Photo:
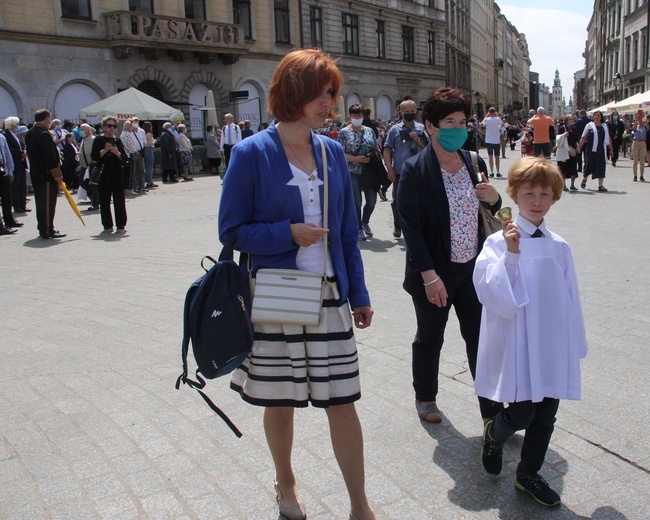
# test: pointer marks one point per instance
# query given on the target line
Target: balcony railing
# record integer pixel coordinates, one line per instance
(126, 28)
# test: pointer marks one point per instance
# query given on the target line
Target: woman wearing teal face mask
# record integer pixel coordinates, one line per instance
(438, 199)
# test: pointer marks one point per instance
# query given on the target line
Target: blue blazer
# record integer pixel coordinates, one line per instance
(258, 206)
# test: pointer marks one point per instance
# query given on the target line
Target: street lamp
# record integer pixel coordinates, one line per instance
(477, 96)
(617, 83)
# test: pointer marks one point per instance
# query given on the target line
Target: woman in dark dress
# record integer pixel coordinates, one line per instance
(110, 155)
(568, 165)
(596, 136)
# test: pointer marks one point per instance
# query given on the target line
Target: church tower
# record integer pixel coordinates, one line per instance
(556, 111)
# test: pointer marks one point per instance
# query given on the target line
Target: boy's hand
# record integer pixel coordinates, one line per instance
(512, 235)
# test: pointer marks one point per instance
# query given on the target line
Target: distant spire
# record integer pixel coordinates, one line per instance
(557, 81)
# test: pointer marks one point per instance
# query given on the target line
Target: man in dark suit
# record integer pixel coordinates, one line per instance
(19, 186)
(580, 124)
(45, 171)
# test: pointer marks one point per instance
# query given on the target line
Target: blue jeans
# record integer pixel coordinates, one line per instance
(370, 196)
(148, 164)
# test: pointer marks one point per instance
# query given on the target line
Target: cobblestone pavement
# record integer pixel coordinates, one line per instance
(92, 427)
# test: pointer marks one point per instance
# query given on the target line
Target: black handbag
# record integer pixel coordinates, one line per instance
(96, 175)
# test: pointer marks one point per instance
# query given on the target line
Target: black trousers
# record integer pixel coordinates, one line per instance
(432, 320)
(112, 184)
(538, 420)
(226, 154)
(396, 222)
(19, 189)
(7, 205)
(616, 146)
(45, 194)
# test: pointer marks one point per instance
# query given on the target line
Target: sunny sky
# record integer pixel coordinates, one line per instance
(556, 31)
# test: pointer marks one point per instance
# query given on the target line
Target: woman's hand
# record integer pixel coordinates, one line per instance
(437, 293)
(363, 159)
(362, 317)
(306, 235)
(512, 235)
(485, 192)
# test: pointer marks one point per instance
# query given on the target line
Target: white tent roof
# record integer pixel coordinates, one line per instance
(634, 103)
(605, 109)
(131, 103)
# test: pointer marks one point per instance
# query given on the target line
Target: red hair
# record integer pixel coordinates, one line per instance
(299, 79)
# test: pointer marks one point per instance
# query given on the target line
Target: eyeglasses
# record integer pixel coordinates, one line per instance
(110, 126)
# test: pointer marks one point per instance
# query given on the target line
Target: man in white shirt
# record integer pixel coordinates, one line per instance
(230, 136)
(140, 141)
(492, 125)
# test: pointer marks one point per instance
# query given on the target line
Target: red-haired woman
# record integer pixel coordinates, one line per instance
(272, 203)
(438, 199)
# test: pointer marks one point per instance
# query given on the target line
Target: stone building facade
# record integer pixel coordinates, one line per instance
(67, 54)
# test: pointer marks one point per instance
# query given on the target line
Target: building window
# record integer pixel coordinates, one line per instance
(282, 33)
(241, 15)
(636, 54)
(316, 25)
(408, 42)
(351, 34)
(381, 39)
(76, 9)
(195, 9)
(432, 48)
(141, 6)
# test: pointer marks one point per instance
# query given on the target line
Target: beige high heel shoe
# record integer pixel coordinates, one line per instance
(294, 512)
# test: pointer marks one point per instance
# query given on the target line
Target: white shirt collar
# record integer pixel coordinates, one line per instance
(528, 229)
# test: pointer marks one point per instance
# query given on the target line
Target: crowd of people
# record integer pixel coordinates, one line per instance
(69, 153)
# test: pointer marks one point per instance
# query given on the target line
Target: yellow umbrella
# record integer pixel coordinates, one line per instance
(73, 204)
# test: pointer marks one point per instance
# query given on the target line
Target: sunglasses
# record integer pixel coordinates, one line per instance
(110, 126)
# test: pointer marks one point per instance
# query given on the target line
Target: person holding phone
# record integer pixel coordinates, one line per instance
(110, 155)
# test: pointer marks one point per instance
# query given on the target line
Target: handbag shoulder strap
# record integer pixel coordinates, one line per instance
(325, 202)
(475, 178)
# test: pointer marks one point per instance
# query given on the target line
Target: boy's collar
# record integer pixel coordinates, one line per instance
(528, 227)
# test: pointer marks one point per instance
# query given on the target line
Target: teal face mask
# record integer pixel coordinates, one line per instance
(451, 139)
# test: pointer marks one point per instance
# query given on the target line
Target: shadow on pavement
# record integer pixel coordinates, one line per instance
(378, 246)
(39, 243)
(474, 490)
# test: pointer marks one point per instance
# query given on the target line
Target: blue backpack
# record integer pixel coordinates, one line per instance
(217, 322)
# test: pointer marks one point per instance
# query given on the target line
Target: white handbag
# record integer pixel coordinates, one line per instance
(291, 296)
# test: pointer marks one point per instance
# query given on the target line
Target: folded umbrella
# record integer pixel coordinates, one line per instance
(73, 204)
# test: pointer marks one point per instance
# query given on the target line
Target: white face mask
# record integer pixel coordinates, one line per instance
(356, 121)
(136, 124)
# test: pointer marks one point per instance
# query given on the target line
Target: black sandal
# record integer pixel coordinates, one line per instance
(583, 184)
(602, 188)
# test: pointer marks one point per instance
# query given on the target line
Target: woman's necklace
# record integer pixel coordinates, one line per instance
(296, 156)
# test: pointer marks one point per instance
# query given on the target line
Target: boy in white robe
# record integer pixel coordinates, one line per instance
(532, 331)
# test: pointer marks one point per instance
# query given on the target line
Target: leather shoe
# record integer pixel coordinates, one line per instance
(92, 208)
(57, 234)
(14, 224)
(5, 231)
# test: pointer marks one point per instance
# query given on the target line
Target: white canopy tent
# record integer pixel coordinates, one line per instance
(636, 102)
(605, 109)
(132, 103)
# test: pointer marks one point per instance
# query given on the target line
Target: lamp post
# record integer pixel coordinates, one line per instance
(477, 96)
(617, 83)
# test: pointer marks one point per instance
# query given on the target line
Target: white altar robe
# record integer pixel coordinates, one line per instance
(532, 331)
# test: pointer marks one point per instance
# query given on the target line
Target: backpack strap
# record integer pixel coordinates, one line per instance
(199, 384)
